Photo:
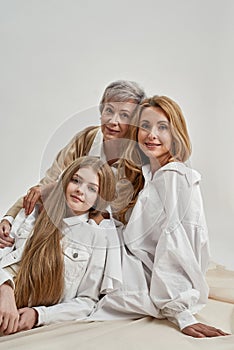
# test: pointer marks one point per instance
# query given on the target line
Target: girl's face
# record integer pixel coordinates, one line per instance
(115, 119)
(82, 191)
(154, 134)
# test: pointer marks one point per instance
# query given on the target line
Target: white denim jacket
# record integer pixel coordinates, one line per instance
(92, 265)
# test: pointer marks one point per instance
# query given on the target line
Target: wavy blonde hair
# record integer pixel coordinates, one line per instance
(40, 279)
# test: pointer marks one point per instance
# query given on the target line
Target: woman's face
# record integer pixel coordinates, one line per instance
(115, 119)
(154, 134)
(82, 191)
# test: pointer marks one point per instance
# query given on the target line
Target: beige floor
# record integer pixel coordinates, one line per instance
(145, 333)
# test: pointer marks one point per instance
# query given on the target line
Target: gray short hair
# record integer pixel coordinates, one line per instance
(121, 91)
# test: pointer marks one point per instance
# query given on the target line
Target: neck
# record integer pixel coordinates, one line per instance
(157, 163)
(154, 165)
(112, 150)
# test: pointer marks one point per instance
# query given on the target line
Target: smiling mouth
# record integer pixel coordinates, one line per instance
(111, 130)
(77, 199)
(152, 145)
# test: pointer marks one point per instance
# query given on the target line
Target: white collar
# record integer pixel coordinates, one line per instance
(146, 171)
(96, 149)
(73, 220)
(192, 176)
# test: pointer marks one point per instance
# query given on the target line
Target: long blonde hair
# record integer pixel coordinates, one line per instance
(40, 280)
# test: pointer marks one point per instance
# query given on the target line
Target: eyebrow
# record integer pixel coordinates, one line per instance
(90, 183)
(164, 121)
(122, 110)
(159, 122)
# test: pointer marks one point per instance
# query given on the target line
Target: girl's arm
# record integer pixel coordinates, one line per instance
(86, 297)
(102, 275)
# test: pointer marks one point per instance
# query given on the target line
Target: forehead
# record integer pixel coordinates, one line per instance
(88, 174)
(127, 105)
(153, 114)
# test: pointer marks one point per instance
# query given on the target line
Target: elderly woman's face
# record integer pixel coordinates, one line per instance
(115, 119)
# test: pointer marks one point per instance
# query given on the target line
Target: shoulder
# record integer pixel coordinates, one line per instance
(179, 173)
(89, 131)
(82, 141)
(87, 234)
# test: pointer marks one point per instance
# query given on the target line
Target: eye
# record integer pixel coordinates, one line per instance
(76, 180)
(92, 189)
(163, 127)
(125, 115)
(145, 126)
(108, 110)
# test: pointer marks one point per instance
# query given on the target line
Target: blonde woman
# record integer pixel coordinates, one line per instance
(65, 263)
(167, 230)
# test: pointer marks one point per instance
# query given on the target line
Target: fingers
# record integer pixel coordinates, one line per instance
(21, 325)
(6, 242)
(5, 228)
(210, 331)
(5, 239)
(9, 323)
(30, 200)
(28, 318)
(200, 330)
(193, 332)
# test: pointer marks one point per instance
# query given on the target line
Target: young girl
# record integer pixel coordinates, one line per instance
(67, 261)
(167, 230)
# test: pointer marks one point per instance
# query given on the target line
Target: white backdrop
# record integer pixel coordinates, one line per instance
(57, 56)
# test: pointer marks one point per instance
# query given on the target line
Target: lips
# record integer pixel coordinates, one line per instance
(110, 130)
(76, 198)
(152, 145)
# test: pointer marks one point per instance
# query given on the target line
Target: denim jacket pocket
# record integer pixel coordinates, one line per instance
(75, 263)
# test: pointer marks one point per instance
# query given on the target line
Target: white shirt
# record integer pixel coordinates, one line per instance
(167, 232)
(92, 267)
(97, 150)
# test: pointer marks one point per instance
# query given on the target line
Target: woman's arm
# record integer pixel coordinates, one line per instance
(178, 285)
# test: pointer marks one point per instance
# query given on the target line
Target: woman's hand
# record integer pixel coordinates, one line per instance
(28, 318)
(32, 197)
(9, 316)
(5, 239)
(36, 194)
(200, 330)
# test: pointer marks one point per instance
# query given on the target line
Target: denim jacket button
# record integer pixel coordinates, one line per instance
(75, 255)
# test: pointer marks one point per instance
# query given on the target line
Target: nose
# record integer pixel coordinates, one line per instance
(153, 134)
(114, 119)
(81, 188)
